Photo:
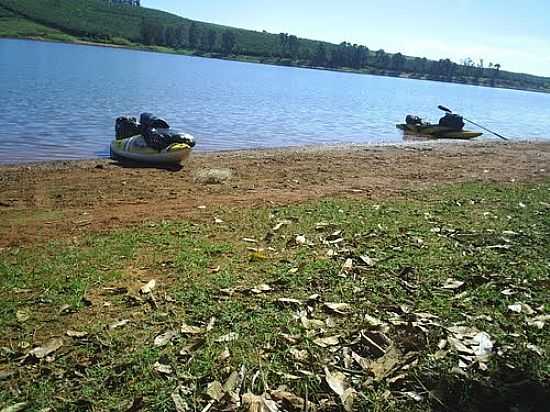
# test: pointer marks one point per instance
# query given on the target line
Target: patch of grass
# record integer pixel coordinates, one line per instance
(14, 26)
(494, 238)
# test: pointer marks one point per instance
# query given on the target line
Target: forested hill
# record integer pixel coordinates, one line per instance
(101, 22)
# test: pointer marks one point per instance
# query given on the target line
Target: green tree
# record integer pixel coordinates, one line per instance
(320, 56)
(212, 38)
(398, 62)
(194, 35)
(181, 36)
(382, 59)
(360, 57)
(496, 72)
(170, 36)
(152, 33)
(283, 44)
(293, 45)
(228, 42)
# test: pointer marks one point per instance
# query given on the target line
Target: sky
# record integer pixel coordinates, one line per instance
(514, 33)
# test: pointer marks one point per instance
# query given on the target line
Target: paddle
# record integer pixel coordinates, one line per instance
(447, 110)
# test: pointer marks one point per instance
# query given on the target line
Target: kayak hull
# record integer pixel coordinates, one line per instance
(438, 132)
(136, 150)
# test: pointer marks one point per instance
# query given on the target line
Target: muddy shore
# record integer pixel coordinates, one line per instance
(44, 201)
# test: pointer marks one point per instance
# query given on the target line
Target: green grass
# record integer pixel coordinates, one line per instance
(12, 26)
(418, 244)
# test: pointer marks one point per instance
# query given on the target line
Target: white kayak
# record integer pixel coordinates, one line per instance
(135, 149)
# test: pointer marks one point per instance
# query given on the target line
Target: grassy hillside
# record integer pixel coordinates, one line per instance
(12, 25)
(97, 21)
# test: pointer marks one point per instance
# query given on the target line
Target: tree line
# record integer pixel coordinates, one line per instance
(290, 47)
(190, 36)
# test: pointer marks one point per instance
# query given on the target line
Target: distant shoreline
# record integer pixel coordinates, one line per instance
(264, 61)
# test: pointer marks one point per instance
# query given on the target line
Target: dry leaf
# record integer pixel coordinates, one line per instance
(230, 337)
(459, 346)
(328, 341)
(347, 398)
(163, 369)
(372, 321)
(538, 321)
(299, 355)
(211, 324)
(64, 308)
(261, 289)
(149, 287)
(256, 403)
(330, 323)
(119, 324)
(75, 334)
(21, 406)
(384, 365)
(535, 349)
(51, 346)
(414, 396)
(348, 265)
(165, 338)
(364, 363)
(312, 323)
(215, 391)
(482, 346)
(368, 260)
(22, 315)
(280, 225)
(521, 308)
(286, 301)
(224, 355)
(190, 330)
(232, 384)
(337, 382)
(179, 403)
(452, 284)
(291, 401)
(341, 308)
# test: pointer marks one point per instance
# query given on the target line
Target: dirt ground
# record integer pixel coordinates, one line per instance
(43, 201)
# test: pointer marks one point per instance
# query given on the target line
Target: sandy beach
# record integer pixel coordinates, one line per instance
(42, 201)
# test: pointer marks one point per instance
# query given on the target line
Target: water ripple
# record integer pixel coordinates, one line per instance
(59, 101)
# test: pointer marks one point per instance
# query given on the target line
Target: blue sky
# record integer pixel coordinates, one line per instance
(514, 33)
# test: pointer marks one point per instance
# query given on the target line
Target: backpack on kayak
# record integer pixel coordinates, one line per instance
(413, 120)
(155, 131)
(452, 121)
(126, 127)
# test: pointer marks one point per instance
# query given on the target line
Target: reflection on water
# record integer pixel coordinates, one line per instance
(59, 101)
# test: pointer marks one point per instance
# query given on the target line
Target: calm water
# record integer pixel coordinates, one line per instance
(59, 101)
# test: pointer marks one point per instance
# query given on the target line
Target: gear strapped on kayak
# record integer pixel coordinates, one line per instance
(155, 131)
(450, 126)
(151, 140)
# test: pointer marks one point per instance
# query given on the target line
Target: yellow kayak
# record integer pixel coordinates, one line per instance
(135, 149)
(437, 132)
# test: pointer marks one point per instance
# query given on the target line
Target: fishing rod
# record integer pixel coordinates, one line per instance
(447, 110)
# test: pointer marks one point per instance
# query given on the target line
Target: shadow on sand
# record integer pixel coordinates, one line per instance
(129, 164)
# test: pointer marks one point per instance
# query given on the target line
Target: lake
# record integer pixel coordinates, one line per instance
(60, 101)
